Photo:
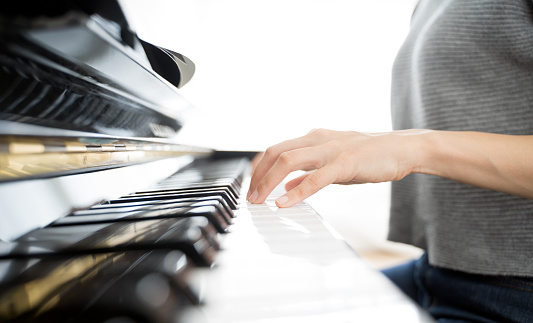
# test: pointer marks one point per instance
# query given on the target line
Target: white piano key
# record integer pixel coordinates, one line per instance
(288, 265)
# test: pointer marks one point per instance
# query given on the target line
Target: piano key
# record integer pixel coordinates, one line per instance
(289, 265)
(263, 274)
(97, 287)
(275, 263)
(201, 180)
(183, 178)
(173, 264)
(122, 203)
(230, 184)
(209, 210)
(133, 198)
(230, 195)
(195, 236)
(233, 181)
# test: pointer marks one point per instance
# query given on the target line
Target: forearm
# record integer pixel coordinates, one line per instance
(497, 162)
(493, 161)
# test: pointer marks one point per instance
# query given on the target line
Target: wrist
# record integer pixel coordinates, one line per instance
(418, 149)
(434, 153)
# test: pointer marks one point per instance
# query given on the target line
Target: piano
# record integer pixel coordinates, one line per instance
(104, 217)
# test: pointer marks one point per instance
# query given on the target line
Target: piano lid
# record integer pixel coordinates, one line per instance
(77, 65)
(87, 110)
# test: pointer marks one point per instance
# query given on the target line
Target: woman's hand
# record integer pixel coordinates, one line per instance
(494, 161)
(341, 157)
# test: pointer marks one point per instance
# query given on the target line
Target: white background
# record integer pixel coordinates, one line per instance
(269, 70)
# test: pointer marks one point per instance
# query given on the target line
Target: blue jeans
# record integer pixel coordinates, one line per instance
(453, 296)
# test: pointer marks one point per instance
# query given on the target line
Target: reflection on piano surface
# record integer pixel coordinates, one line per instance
(104, 218)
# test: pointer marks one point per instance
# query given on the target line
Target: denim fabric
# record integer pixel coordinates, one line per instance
(456, 297)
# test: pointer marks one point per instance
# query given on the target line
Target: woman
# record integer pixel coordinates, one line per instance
(460, 158)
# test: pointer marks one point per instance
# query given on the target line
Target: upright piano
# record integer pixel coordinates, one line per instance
(104, 217)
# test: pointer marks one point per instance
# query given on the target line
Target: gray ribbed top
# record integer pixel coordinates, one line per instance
(466, 65)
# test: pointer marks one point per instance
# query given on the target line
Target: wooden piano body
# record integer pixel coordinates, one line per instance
(104, 218)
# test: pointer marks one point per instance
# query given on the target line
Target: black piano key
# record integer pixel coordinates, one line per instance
(186, 181)
(133, 198)
(209, 210)
(195, 236)
(185, 205)
(94, 288)
(112, 204)
(233, 188)
(173, 264)
(228, 194)
(213, 185)
(162, 187)
(177, 180)
(202, 176)
(136, 297)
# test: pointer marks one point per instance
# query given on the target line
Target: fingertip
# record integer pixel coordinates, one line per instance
(253, 197)
(283, 201)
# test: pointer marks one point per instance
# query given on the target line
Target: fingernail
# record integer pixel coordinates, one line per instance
(253, 196)
(282, 200)
(248, 195)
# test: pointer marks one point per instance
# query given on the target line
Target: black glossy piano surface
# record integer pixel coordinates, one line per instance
(121, 258)
(105, 218)
(192, 259)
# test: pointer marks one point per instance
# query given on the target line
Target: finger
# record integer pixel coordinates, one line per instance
(311, 184)
(295, 182)
(253, 165)
(255, 161)
(268, 159)
(303, 158)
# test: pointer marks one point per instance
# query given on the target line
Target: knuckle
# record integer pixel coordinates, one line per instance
(270, 151)
(263, 189)
(315, 180)
(286, 158)
(317, 164)
(324, 132)
(261, 186)
(267, 183)
(317, 132)
(298, 192)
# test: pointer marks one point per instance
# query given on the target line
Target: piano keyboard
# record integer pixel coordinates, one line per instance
(190, 249)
